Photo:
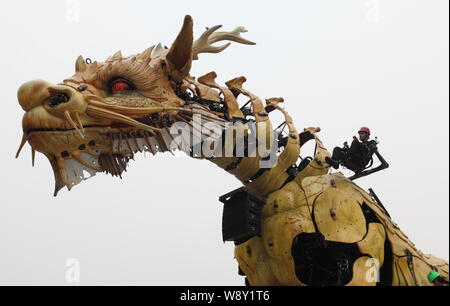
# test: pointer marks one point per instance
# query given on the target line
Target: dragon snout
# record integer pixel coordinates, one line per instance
(57, 99)
(51, 106)
(33, 93)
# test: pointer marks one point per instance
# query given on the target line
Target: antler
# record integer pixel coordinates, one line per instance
(210, 36)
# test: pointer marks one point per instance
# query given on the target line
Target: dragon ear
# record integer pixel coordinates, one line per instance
(179, 57)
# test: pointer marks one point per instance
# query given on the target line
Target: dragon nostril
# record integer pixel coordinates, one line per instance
(58, 98)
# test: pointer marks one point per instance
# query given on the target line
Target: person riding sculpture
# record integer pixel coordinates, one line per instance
(356, 156)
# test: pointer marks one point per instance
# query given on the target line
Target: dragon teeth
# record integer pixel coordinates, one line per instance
(78, 172)
(165, 141)
(168, 139)
(141, 144)
(93, 160)
(153, 144)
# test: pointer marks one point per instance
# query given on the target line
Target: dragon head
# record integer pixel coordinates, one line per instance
(96, 119)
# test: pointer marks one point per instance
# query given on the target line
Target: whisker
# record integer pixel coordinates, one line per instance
(77, 118)
(33, 155)
(72, 123)
(22, 143)
(99, 112)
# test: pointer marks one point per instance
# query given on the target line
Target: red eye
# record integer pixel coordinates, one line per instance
(119, 86)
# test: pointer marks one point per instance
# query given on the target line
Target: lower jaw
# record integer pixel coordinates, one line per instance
(56, 142)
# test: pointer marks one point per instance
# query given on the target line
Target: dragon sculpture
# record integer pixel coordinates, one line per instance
(302, 225)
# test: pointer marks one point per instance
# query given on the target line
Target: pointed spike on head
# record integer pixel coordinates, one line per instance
(158, 51)
(117, 56)
(80, 64)
(179, 56)
(147, 54)
(92, 68)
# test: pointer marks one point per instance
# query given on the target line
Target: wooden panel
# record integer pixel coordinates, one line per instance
(339, 217)
(364, 273)
(373, 243)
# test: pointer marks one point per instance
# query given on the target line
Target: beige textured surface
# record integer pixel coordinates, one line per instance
(373, 243)
(362, 276)
(287, 214)
(339, 217)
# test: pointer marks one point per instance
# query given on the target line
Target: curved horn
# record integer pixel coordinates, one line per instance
(179, 57)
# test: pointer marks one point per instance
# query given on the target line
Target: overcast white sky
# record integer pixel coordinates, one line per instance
(338, 64)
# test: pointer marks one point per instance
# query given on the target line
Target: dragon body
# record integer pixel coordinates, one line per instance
(316, 228)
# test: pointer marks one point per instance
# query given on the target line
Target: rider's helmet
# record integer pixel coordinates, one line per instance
(364, 129)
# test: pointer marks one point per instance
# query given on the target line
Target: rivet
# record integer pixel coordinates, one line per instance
(82, 87)
(248, 251)
(332, 213)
